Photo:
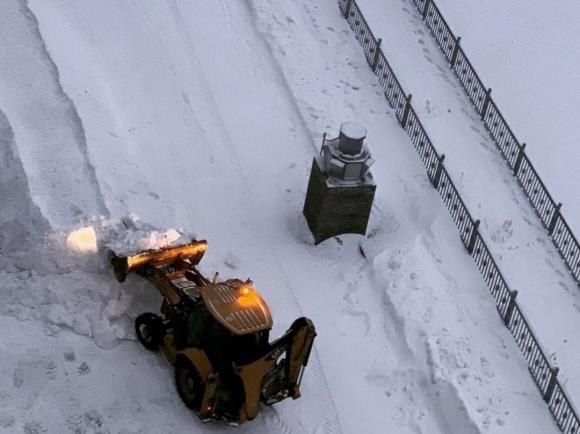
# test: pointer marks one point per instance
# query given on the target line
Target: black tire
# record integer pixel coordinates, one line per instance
(149, 330)
(188, 383)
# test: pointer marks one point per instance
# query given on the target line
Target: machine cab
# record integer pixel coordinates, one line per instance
(231, 324)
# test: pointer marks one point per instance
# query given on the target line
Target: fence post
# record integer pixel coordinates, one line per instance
(377, 52)
(510, 309)
(406, 110)
(437, 177)
(347, 9)
(519, 159)
(455, 52)
(551, 385)
(424, 12)
(485, 104)
(473, 237)
(323, 142)
(554, 219)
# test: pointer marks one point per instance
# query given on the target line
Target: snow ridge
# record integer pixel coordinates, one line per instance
(77, 123)
(47, 128)
(20, 218)
(423, 370)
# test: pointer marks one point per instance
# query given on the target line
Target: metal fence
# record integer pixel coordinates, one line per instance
(544, 375)
(512, 150)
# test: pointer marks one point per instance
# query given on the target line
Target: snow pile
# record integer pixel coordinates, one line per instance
(71, 284)
(90, 244)
(131, 235)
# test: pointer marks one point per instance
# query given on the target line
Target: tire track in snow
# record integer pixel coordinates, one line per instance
(237, 166)
(48, 129)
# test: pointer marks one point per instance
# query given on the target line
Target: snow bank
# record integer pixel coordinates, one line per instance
(72, 286)
(20, 219)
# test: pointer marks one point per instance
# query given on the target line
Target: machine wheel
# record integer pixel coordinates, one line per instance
(189, 384)
(149, 330)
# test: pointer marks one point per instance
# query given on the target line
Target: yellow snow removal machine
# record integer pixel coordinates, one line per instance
(216, 335)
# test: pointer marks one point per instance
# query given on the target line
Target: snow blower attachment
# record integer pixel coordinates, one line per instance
(216, 335)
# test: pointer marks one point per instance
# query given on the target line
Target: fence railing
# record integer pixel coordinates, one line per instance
(544, 375)
(513, 151)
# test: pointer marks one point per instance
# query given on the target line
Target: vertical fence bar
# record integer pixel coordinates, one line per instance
(552, 384)
(473, 237)
(347, 9)
(511, 306)
(437, 176)
(455, 52)
(554, 219)
(519, 159)
(405, 114)
(485, 103)
(424, 11)
(377, 55)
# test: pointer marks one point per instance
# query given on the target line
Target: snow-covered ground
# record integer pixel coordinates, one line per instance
(519, 243)
(528, 54)
(206, 117)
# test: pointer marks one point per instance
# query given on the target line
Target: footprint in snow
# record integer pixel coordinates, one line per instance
(51, 369)
(6, 420)
(75, 423)
(93, 419)
(34, 427)
(84, 368)
(232, 261)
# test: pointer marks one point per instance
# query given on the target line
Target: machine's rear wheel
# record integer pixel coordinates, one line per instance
(149, 330)
(189, 384)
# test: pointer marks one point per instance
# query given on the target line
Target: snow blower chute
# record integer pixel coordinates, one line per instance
(216, 335)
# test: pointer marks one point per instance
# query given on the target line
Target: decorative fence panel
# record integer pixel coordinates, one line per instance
(564, 239)
(563, 411)
(456, 207)
(536, 192)
(363, 33)
(470, 81)
(422, 142)
(393, 90)
(442, 32)
(544, 375)
(496, 283)
(538, 364)
(501, 133)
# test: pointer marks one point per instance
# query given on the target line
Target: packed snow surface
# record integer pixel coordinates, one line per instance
(205, 117)
(528, 54)
(519, 243)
